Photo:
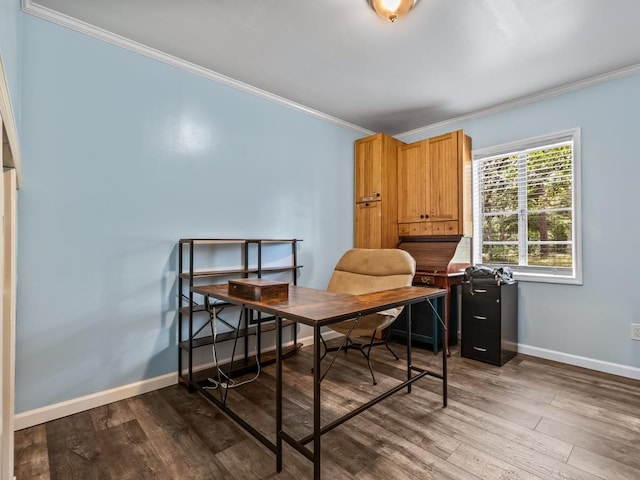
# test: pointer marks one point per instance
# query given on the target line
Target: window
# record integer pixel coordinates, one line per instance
(526, 207)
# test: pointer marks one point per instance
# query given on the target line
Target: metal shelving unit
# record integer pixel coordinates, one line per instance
(249, 258)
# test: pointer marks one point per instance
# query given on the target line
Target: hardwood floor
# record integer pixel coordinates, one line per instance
(530, 419)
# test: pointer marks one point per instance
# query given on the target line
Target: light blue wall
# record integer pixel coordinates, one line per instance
(123, 156)
(591, 320)
(10, 16)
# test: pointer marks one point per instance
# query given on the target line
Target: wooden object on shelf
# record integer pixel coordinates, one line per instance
(259, 289)
(434, 186)
(376, 197)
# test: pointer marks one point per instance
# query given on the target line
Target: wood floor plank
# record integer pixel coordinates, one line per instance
(487, 467)
(581, 381)
(498, 405)
(408, 457)
(397, 419)
(31, 455)
(181, 449)
(111, 415)
(515, 454)
(508, 379)
(623, 452)
(605, 412)
(74, 449)
(530, 419)
(597, 425)
(531, 439)
(217, 431)
(603, 467)
(245, 461)
(136, 459)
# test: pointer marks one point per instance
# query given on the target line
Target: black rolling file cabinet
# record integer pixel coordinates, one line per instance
(490, 322)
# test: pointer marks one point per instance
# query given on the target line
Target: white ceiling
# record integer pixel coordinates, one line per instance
(446, 59)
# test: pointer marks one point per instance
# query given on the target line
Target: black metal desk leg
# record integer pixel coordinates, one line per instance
(408, 310)
(445, 354)
(316, 402)
(278, 393)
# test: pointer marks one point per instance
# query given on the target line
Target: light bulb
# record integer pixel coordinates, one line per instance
(392, 10)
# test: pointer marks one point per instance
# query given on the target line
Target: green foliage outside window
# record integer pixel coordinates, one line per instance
(529, 193)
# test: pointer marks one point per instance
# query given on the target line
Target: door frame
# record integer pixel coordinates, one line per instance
(10, 159)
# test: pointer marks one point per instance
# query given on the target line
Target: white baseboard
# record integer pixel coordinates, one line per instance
(98, 399)
(591, 363)
(76, 405)
(69, 407)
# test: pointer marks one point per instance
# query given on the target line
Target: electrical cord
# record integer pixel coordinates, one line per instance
(229, 382)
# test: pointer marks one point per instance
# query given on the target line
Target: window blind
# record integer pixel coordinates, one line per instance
(524, 206)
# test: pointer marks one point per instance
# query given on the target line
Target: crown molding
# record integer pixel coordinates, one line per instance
(554, 92)
(64, 20)
(82, 27)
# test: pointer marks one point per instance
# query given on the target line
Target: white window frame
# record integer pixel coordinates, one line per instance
(521, 272)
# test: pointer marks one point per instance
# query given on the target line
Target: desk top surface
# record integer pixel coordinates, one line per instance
(319, 307)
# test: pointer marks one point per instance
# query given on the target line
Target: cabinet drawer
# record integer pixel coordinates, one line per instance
(481, 309)
(481, 290)
(422, 228)
(417, 228)
(431, 280)
(445, 228)
(481, 344)
(480, 320)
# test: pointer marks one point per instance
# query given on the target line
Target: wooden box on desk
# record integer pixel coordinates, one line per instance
(259, 289)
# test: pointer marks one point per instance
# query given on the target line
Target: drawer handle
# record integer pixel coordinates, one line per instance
(479, 290)
(480, 349)
(479, 317)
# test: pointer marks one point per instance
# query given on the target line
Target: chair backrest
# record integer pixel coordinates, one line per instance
(364, 270)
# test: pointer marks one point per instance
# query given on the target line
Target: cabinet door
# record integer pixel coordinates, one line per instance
(368, 169)
(413, 175)
(444, 194)
(368, 231)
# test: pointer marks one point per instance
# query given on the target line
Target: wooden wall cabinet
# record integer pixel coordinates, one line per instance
(434, 186)
(376, 180)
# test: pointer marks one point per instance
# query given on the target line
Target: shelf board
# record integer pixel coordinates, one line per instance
(280, 269)
(238, 271)
(201, 308)
(219, 273)
(270, 357)
(196, 308)
(241, 367)
(226, 336)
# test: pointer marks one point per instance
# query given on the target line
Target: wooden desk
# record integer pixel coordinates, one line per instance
(318, 308)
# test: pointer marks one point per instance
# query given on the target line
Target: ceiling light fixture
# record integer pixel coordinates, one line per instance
(392, 10)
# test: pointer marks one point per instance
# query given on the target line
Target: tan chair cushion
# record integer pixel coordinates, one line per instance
(362, 270)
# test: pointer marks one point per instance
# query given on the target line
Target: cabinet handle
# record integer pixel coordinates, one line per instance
(421, 216)
(479, 317)
(480, 349)
(479, 290)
